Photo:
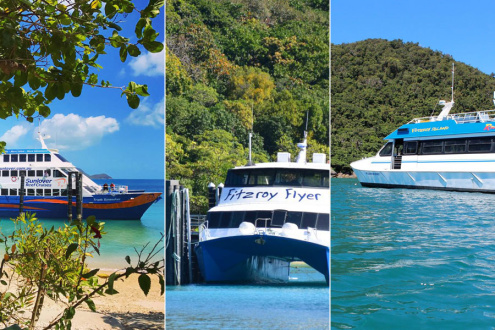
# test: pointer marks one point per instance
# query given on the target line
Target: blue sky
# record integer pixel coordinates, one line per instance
(463, 29)
(98, 131)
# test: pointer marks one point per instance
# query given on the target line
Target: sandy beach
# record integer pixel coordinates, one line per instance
(129, 309)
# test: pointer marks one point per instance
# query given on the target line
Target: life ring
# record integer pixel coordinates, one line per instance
(14, 179)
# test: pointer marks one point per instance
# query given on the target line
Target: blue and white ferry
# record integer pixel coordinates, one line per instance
(446, 152)
(46, 172)
(267, 216)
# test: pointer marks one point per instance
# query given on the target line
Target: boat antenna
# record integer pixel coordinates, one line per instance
(250, 161)
(452, 99)
(301, 157)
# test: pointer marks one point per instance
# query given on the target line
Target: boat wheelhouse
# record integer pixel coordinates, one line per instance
(45, 173)
(448, 152)
(267, 216)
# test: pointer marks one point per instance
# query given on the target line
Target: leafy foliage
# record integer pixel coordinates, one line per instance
(50, 48)
(378, 85)
(237, 66)
(40, 263)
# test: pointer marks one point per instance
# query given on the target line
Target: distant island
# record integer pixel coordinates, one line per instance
(102, 176)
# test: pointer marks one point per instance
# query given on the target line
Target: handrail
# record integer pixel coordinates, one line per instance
(460, 118)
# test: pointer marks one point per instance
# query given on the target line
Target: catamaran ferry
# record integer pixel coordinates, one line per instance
(267, 216)
(447, 152)
(46, 173)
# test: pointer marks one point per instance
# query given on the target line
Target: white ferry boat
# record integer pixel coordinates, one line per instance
(46, 173)
(267, 216)
(447, 152)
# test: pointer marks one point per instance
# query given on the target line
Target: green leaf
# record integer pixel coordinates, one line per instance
(91, 305)
(76, 89)
(72, 247)
(162, 284)
(90, 273)
(123, 53)
(133, 101)
(128, 259)
(153, 46)
(133, 50)
(144, 283)
(91, 220)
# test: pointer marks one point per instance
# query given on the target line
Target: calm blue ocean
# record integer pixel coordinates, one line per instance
(122, 236)
(411, 259)
(303, 303)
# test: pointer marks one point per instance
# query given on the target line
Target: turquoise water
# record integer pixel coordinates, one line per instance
(122, 236)
(303, 303)
(411, 259)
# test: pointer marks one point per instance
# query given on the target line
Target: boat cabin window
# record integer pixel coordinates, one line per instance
(4, 192)
(22, 158)
(22, 173)
(14, 158)
(275, 219)
(5, 173)
(6, 158)
(39, 172)
(480, 145)
(31, 158)
(13, 173)
(455, 146)
(13, 192)
(386, 150)
(39, 157)
(30, 192)
(277, 177)
(58, 174)
(31, 173)
(431, 147)
(410, 147)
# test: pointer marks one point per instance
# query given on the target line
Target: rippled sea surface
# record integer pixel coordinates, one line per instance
(411, 259)
(303, 303)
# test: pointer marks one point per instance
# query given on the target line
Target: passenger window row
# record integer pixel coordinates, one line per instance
(22, 158)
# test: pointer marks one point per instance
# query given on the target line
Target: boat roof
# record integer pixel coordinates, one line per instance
(480, 123)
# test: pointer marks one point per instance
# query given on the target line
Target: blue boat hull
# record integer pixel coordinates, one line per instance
(103, 207)
(255, 258)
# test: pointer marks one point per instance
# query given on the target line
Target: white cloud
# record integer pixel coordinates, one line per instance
(150, 64)
(148, 115)
(14, 134)
(75, 132)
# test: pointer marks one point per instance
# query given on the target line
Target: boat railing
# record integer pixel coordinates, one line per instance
(114, 189)
(204, 232)
(460, 118)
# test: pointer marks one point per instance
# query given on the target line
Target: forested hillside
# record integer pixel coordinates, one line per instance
(378, 85)
(241, 65)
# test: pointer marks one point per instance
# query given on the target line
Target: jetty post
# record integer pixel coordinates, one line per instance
(69, 197)
(79, 196)
(21, 194)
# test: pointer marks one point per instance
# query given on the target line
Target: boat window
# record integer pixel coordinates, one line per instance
(30, 192)
(14, 158)
(4, 192)
(63, 192)
(5, 173)
(39, 157)
(58, 174)
(213, 219)
(31, 173)
(48, 158)
(39, 172)
(6, 158)
(22, 173)
(12, 192)
(22, 158)
(56, 192)
(308, 220)
(431, 147)
(278, 218)
(31, 158)
(39, 192)
(410, 147)
(277, 177)
(386, 150)
(455, 146)
(47, 173)
(480, 145)
(288, 178)
(250, 217)
(13, 173)
(294, 217)
(263, 219)
(225, 219)
(323, 222)
(48, 192)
